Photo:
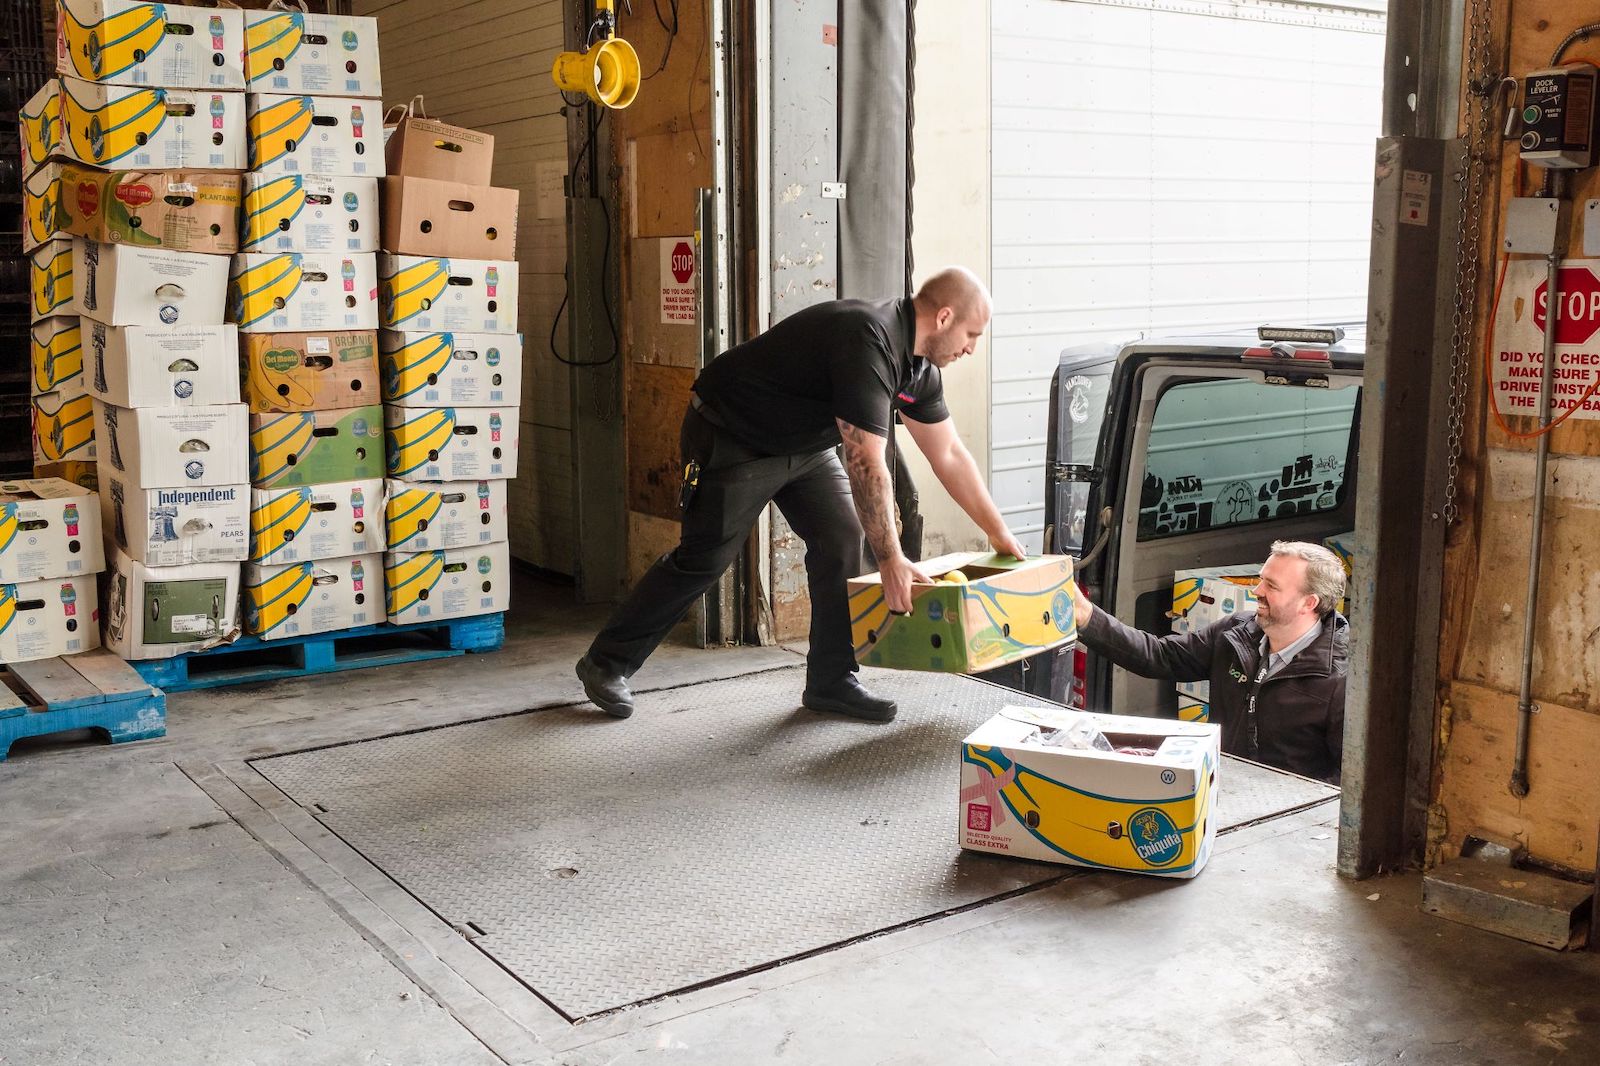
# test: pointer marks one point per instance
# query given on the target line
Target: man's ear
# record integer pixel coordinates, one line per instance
(943, 317)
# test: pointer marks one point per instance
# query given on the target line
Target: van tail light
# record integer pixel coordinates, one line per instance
(1078, 690)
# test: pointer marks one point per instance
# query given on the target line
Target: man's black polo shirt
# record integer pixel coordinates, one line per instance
(847, 359)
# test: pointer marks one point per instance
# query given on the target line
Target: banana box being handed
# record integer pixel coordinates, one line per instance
(451, 369)
(423, 516)
(134, 42)
(431, 586)
(43, 619)
(1199, 598)
(55, 351)
(40, 120)
(298, 599)
(987, 610)
(161, 613)
(310, 371)
(124, 127)
(302, 292)
(306, 522)
(309, 213)
(50, 281)
(419, 294)
(296, 52)
(1107, 791)
(451, 443)
(331, 135)
(316, 447)
(48, 528)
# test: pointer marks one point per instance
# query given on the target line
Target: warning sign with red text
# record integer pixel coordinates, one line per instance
(1518, 351)
(677, 280)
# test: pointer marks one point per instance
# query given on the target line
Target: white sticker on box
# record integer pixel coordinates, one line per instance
(317, 346)
(191, 623)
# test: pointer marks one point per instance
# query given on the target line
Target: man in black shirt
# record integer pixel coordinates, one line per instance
(763, 427)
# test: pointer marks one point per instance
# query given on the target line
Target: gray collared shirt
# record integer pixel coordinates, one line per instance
(1279, 659)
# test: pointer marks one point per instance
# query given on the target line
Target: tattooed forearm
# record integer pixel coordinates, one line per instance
(866, 462)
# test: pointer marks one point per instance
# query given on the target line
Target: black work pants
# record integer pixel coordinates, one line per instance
(736, 483)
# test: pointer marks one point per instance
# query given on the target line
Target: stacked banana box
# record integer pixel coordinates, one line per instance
(50, 552)
(304, 295)
(451, 372)
(135, 154)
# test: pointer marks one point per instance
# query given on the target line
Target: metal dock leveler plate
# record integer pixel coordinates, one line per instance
(720, 830)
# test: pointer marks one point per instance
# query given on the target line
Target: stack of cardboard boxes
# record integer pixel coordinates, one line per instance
(451, 370)
(50, 553)
(304, 295)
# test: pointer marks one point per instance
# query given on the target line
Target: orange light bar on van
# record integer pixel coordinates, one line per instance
(1280, 351)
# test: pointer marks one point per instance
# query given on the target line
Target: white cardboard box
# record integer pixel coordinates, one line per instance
(159, 613)
(1152, 813)
(165, 447)
(306, 522)
(134, 42)
(323, 596)
(124, 285)
(1199, 598)
(301, 292)
(451, 369)
(48, 528)
(309, 213)
(176, 526)
(451, 443)
(329, 135)
(55, 351)
(43, 619)
(177, 366)
(64, 425)
(435, 585)
(126, 127)
(293, 52)
(418, 294)
(432, 516)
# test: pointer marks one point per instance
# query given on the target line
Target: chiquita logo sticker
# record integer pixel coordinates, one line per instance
(1155, 839)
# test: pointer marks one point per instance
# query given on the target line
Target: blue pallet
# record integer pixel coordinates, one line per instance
(94, 690)
(251, 659)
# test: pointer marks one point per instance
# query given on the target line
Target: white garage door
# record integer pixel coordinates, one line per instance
(1162, 166)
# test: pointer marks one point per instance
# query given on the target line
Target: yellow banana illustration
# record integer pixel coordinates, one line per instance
(277, 445)
(57, 359)
(265, 285)
(275, 131)
(105, 134)
(410, 511)
(278, 521)
(50, 268)
(117, 43)
(66, 430)
(266, 205)
(8, 606)
(270, 42)
(1186, 593)
(420, 441)
(8, 525)
(42, 204)
(409, 578)
(41, 131)
(277, 598)
(414, 366)
(412, 290)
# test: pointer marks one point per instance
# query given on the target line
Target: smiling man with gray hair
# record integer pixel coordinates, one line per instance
(1277, 676)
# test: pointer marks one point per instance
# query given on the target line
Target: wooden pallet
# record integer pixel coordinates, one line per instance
(251, 659)
(93, 690)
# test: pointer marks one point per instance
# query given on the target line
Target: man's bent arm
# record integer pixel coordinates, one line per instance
(865, 460)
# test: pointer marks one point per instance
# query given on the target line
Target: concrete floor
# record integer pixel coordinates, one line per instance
(140, 923)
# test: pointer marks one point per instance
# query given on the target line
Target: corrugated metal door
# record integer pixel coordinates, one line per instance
(1162, 166)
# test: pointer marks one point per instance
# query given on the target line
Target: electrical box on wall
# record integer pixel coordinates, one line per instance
(1558, 117)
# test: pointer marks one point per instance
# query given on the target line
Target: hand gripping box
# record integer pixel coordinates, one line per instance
(181, 210)
(48, 528)
(310, 213)
(420, 147)
(451, 369)
(163, 447)
(1146, 806)
(161, 613)
(329, 135)
(310, 371)
(40, 119)
(176, 525)
(43, 216)
(296, 52)
(50, 279)
(165, 366)
(1000, 610)
(432, 586)
(1199, 598)
(422, 216)
(307, 522)
(471, 295)
(46, 618)
(55, 353)
(123, 285)
(430, 516)
(121, 127)
(324, 596)
(302, 291)
(134, 42)
(451, 443)
(316, 447)
(64, 426)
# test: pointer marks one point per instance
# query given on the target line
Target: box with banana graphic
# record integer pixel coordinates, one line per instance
(316, 371)
(176, 525)
(306, 522)
(1199, 598)
(451, 443)
(302, 291)
(419, 294)
(43, 619)
(429, 516)
(48, 528)
(63, 424)
(182, 210)
(451, 369)
(1111, 792)
(40, 120)
(985, 611)
(44, 217)
(316, 447)
(329, 135)
(295, 52)
(134, 42)
(126, 127)
(298, 599)
(309, 213)
(165, 366)
(50, 280)
(55, 354)
(160, 613)
(435, 585)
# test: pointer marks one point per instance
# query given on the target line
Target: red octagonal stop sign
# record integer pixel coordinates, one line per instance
(682, 262)
(1577, 305)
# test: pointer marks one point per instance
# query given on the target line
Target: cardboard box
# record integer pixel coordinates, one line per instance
(451, 443)
(434, 516)
(310, 213)
(1005, 611)
(121, 127)
(43, 619)
(1344, 546)
(310, 371)
(431, 586)
(302, 291)
(40, 120)
(451, 369)
(48, 528)
(328, 135)
(55, 350)
(1200, 598)
(423, 148)
(159, 613)
(176, 526)
(471, 295)
(316, 447)
(182, 210)
(84, 474)
(166, 447)
(63, 426)
(124, 285)
(43, 218)
(324, 596)
(422, 216)
(50, 279)
(134, 42)
(1024, 796)
(293, 52)
(176, 366)
(308, 522)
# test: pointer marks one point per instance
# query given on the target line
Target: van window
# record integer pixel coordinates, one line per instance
(1234, 451)
(1082, 409)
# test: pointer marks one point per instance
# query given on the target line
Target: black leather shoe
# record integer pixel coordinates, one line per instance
(847, 696)
(607, 691)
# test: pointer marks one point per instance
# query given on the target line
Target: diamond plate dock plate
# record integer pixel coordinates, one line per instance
(717, 831)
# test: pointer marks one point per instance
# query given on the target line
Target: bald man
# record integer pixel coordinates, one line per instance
(764, 426)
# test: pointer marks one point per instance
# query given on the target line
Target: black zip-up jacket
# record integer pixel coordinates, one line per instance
(1299, 710)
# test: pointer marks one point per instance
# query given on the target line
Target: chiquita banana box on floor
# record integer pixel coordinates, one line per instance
(305, 522)
(125, 127)
(1138, 795)
(55, 350)
(50, 279)
(298, 599)
(418, 294)
(295, 52)
(424, 516)
(309, 213)
(43, 619)
(40, 120)
(986, 611)
(316, 135)
(451, 443)
(1199, 598)
(432, 586)
(298, 291)
(316, 447)
(48, 528)
(451, 369)
(134, 42)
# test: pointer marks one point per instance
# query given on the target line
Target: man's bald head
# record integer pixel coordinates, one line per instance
(959, 289)
(953, 309)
